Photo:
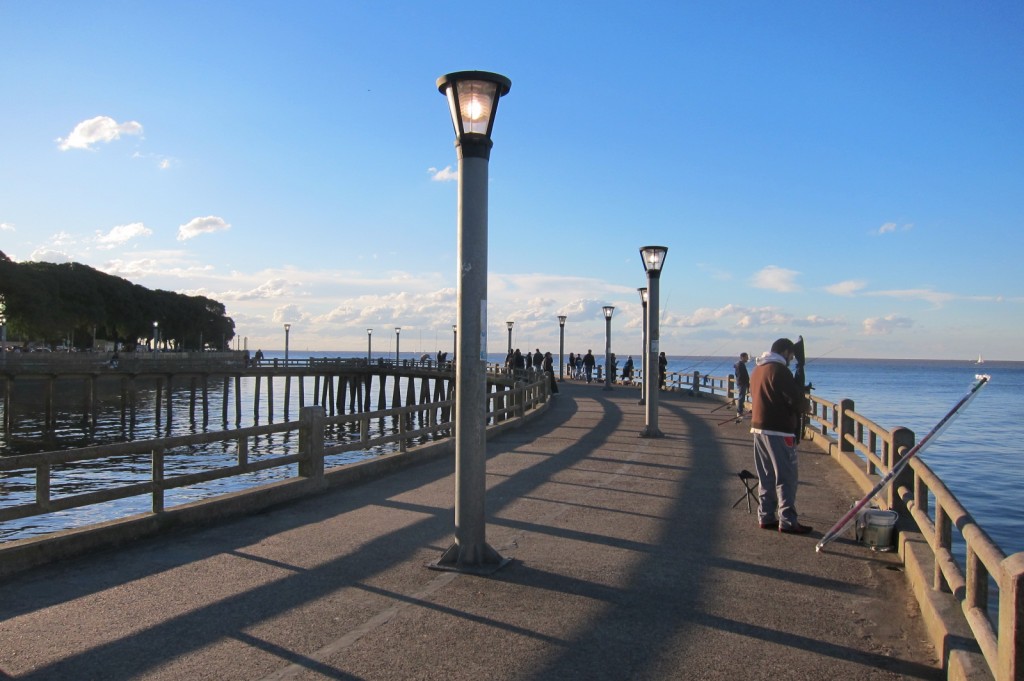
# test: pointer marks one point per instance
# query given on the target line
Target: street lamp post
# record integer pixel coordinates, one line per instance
(3, 329)
(287, 329)
(156, 336)
(561, 348)
(608, 310)
(398, 331)
(473, 99)
(455, 341)
(369, 345)
(643, 341)
(654, 258)
(510, 325)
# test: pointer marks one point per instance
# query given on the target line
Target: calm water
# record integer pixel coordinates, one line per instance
(980, 456)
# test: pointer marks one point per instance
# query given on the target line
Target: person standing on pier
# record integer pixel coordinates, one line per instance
(588, 365)
(778, 401)
(742, 383)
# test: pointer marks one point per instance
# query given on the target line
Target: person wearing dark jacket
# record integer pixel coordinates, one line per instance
(742, 383)
(588, 365)
(778, 402)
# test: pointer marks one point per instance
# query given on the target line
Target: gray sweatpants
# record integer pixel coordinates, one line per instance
(775, 459)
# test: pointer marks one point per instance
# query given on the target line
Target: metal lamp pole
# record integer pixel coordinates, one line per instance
(608, 310)
(455, 340)
(561, 348)
(510, 325)
(654, 259)
(643, 343)
(156, 337)
(287, 329)
(3, 331)
(473, 99)
(398, 331)
(369, 345)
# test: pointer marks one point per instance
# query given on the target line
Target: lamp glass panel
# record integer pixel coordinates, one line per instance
(608, 310)
(476, 104)
(449, 92)
(654, 258)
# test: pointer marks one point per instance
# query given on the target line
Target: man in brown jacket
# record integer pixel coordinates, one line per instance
(777, 401)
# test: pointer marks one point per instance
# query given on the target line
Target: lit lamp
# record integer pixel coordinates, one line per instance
(155, 334)
(398, 330)
(473, 99)
(369, 345)
(510, 325)
(643, 341)
(287, 329)
(608, 310)
(561, 347)
(654, 259)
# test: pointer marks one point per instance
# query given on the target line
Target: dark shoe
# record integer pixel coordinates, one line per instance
(774, 525)
(795, 529)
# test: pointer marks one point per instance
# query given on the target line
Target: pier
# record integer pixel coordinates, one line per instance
(631, 560)
(29, 385)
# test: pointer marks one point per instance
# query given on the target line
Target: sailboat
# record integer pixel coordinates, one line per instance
(980, 359)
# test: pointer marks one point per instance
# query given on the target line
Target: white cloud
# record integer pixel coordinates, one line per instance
(846, 288)
(272, 288)
(776, 279)
(937, 298)
(890, 227)
(96, 130)
(291, 314)
(446, 174)
(46, 254)
(6, 227)
(817, 321)
(197, 226)
(883, 326)
(122, 234)
(162, 162)
(163, 263)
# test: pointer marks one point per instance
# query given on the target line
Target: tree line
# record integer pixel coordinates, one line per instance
(53, 303)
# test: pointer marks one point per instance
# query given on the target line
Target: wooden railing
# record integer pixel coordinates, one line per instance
(868, 451)
(510, 399)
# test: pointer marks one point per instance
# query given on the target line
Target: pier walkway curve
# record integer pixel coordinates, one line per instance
(630, 561)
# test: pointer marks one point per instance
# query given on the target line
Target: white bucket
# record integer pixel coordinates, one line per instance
(874, 528)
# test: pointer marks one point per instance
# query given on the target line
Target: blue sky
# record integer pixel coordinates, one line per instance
(852, 172)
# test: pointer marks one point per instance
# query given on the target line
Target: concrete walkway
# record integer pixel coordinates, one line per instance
(629, 563)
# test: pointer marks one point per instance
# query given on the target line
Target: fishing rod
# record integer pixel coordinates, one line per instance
(737, 419)
(979, 382)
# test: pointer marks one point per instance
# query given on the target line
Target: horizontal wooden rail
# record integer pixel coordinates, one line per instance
(311, 429)
(870, 451)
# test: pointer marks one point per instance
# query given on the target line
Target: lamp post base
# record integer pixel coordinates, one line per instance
(483, 562)
(651, 432)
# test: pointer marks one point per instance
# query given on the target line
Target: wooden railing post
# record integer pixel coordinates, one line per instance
(844, 425)
(902, 441)
(730, 390)
(157, 457)
(1010, 666)
(311, 442)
